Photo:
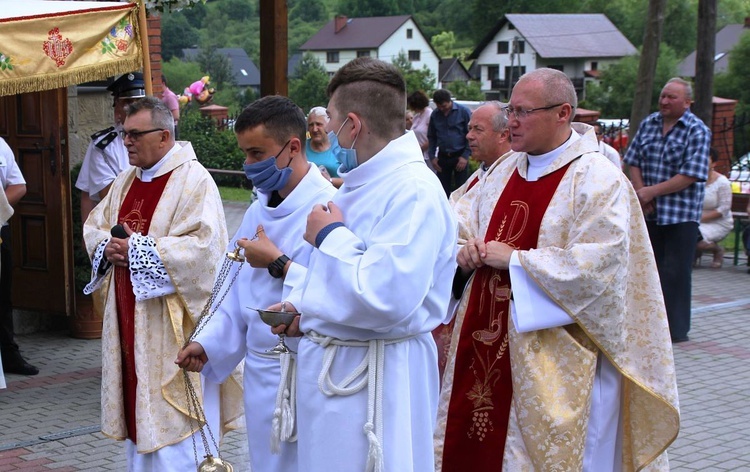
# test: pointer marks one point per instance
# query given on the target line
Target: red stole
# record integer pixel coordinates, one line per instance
(136, 210)
(482, 387)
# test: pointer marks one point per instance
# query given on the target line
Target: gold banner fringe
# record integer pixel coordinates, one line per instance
(65, 78)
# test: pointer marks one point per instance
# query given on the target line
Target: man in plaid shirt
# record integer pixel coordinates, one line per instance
(668, 162)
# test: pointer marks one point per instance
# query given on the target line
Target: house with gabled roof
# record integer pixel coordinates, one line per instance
(451, 70)
(384, 37)
(726, 39)
(579, 44)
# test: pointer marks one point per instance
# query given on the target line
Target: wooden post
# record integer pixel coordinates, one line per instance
(143, 29)
(273, 53)
(704, 61)
(647, 66)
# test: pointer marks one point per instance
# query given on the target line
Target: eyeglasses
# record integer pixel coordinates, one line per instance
(135, 135)
(520, 113)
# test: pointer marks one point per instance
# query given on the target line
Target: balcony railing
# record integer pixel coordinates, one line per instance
(502, 84)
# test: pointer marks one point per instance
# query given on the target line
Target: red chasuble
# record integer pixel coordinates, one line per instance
(482, 387)
(136, 210)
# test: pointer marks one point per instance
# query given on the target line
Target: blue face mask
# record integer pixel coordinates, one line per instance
(265, 176)
(347, 157)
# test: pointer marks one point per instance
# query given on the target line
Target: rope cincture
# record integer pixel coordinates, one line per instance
(285, 411)
(369, 373)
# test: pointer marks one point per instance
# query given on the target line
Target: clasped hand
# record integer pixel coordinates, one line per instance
(320, 217)
(116, 250)
(476, 253)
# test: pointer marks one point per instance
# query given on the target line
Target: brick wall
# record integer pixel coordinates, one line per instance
(154, 45)
(722, 132)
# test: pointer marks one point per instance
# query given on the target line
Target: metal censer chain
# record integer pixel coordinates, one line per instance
(211, 463)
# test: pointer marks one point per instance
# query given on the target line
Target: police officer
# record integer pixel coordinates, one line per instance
(106, 155)
(13, 185)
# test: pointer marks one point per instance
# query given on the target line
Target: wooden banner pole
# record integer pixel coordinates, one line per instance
(143, 27)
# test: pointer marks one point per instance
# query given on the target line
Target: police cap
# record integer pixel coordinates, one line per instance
(129, 85)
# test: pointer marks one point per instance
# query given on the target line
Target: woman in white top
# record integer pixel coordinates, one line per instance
(419, 104)
(716, 220)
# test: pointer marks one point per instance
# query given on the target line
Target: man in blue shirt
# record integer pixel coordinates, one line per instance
(449, 150)
(668, 162)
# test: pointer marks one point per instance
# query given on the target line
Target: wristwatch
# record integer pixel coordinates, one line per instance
(276, 268)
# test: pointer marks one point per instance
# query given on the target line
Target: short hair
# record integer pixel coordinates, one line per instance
(500, 118)
(441, 96)
(557, 87)
(373, 89)
(687, 85)
(418, 100)
(161, 116)
(319, 111)
(281, 117)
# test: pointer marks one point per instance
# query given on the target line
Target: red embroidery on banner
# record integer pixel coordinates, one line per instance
(57, 48)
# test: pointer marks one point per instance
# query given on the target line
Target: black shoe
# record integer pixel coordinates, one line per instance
(681, 339)
(13, 363)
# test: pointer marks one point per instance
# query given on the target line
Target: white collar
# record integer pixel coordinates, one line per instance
(538, 163)
(147, 175)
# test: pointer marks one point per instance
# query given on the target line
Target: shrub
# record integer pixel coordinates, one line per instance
(216, 149)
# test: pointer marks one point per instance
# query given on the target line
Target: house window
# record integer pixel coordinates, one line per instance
(332, 56)
(502, 47)
(511, 26)
(559, 67)
(520, 47)
(515, 72)
(594, 65)
(493, 72)
(409, 33)
(414, 55)
(363, 53)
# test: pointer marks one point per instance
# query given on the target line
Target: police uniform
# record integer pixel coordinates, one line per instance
(106, 155)
(12, 361)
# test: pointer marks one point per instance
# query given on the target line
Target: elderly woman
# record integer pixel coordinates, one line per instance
(419, 104)
(321, 146)
(716, 220)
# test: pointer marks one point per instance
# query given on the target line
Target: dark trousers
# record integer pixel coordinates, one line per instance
(6, 309)
(449, 177)
(674, 250)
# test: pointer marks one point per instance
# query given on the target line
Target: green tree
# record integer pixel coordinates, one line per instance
(466, 90)
(733, 84)
(216, 66)
(416, 79)
(613, 95)
(308, 11)
(181, 73)
(308, 86)
(195, 14)
(176, 35)
(444, 43)
(367, 8)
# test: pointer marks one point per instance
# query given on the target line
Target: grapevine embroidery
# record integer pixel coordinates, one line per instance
(5, 62)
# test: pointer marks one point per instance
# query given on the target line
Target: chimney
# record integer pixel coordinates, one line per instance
(339, 22)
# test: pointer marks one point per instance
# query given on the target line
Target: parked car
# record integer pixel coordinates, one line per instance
(740, 171)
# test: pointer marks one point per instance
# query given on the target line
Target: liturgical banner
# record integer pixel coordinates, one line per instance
(51, 44)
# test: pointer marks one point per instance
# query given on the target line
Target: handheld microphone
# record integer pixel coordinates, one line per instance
(118, 231)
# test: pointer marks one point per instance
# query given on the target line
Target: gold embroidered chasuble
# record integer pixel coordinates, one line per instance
(594, 259)
(190, 232)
